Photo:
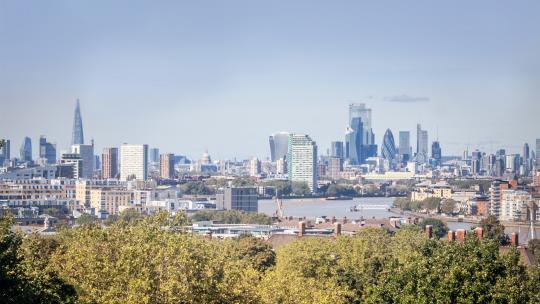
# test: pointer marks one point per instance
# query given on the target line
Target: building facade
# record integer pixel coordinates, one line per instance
(109, 163)
(133, 162)
(87, 155)
(47, 151)
(279, 143)
(302, 160)
(166, 166)
(238, 198)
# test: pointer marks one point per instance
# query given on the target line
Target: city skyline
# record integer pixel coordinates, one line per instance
(181, 77)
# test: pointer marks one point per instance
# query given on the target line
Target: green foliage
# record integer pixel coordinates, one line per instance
(448, 206)
(340, 190)
(86, 219)
(52, 212)
(534, 247)
(439, 228)
(196, 188)
(493, 229)
(405, 203)
(431, 203)
(231, 217)
(300, 189)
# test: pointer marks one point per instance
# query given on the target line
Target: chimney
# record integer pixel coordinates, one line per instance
(514, 239)
(301, 228)
(451, 236)
(337, 229)
(479, 233)
(460, 235)
(429, 231)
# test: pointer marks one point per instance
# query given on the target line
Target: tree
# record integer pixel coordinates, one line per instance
(431, 203)
(439, 228)
(52, 212)
(534, 247)
(448, 206)
(85, 219)
(300, 188)
(493, 229)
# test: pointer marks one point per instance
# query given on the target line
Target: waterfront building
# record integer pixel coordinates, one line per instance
(512, 201)
(279, 145)
(421, 145)
(77, 137)
(238, 198)
(281, 166)
(109, 163)
(337, 149)
(166, 166)
(47, 151)
(87, 155)
(388, 148)
(496, 196)
(26, 150)
(302, 160)
(133, 162)
(404, 146)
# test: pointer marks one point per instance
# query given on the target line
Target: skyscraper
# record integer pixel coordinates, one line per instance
(359, 138)
(388, 148)
(436, 153)
(5, 151)
(421, 144)
(154, 156)
(166, 166)
(87, 155)
(47, 150)
(537, 152)
(26, 150)
(404, 146)
(526, 152)
(109, 163)
(278, 145)
(302, 160)
(337, 149)
(133, 162)
(77, 136)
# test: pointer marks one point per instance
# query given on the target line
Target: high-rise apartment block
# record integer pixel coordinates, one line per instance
(166, 166)
(109, 163)
(133, 162)
(302, 160)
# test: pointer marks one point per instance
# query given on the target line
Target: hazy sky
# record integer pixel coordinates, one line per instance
(223, 75)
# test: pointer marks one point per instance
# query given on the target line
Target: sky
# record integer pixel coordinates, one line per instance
(190, 76)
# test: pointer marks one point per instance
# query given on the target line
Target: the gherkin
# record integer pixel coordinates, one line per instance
(78, 136)
(388, 146)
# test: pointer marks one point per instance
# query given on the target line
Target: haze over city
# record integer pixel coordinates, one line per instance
(216, 76)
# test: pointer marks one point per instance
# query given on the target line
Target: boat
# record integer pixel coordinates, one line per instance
(339, 198)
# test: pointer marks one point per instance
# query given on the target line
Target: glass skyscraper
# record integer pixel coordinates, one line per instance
(388, 149)
(337, 149)
(26, 150)
(404, 146)
(279, 143)
(421, 145)
(47, 150)
(77, 136)
(360, 140)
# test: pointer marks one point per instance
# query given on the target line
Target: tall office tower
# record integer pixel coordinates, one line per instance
(87, 156)
(421, 144)
(388, 148)
(77, 136)
(109, 163)
(166, 166)
(526, 152)
(47, 150)
(436, 153)
(133, 162)
(360, 139)
(71, 166)
(337, 149)
(537, 152)
(302, 160)
(279, 145)
(26, 150)
(254, 167)
(5, 151)
(404, 146)
(512, 163)
(155, 158)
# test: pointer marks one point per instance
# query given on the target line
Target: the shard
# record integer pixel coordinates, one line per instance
(78, 137)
